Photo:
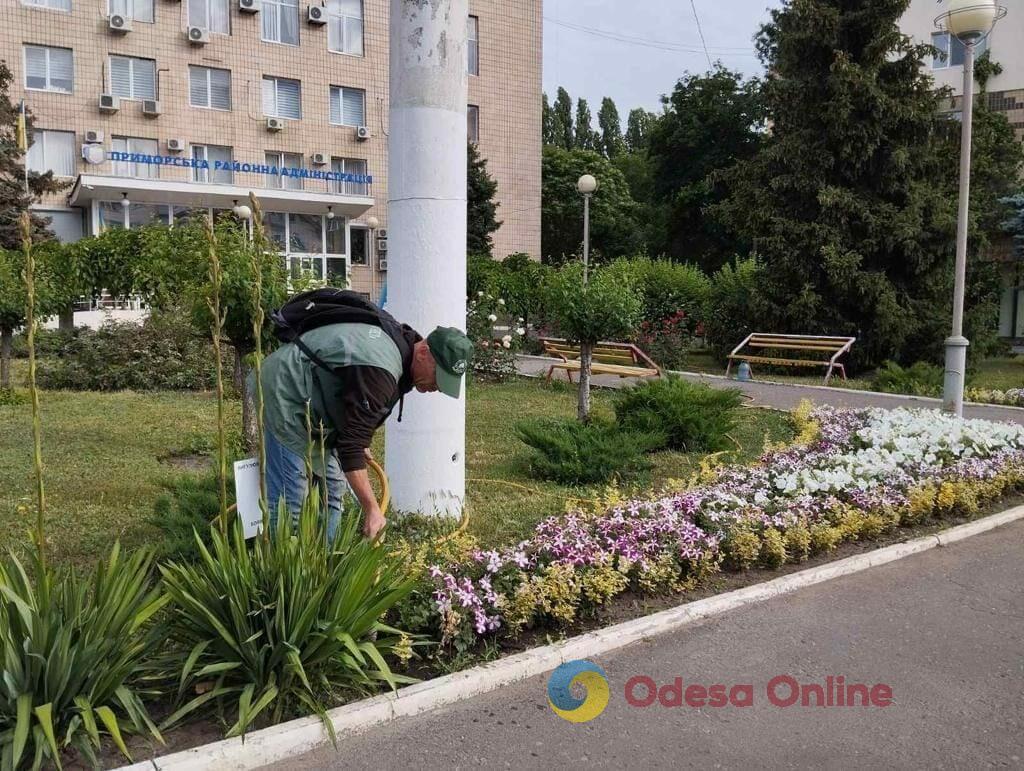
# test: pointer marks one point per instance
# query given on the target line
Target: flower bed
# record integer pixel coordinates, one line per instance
(859, 475)
(1012, 397)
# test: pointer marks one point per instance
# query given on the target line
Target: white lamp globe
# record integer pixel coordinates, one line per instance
(372, 222)
(968, 19)
(242, 211)
(124, 201)
(586, 184)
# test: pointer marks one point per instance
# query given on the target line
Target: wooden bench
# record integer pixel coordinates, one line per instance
(829, 350)
(622, 359)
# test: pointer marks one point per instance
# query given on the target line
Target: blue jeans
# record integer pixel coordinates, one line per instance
(286, 478)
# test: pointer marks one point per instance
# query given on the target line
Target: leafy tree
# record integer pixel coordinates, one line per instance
(604, 308)
(49, 296)
(638, 129)
(548, 133)
(481, 216)
(841, 201)
(561, 121)
(585, 138)
(711, 122)
(1014, 222)
(615, 229)
(612, 143)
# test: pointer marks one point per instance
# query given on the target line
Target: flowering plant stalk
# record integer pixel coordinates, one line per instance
(25, 224)
(217, 332)
(256, 255)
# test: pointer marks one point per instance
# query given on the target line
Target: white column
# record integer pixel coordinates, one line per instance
(425, 453)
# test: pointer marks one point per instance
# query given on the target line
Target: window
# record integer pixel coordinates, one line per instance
(137, 10)
(282, 98)
(348, 106)
(209, 87)
(473, 45)
(133, 168)
(350, 166)
(280, 21)
(334, 235)
(53, 5)
(360, 243)
(49, 69)
(284, 160)
(275, 224)
(141, 214)
(345, 26)
(337, 273)
(305, 233)
(132, 78)
(951, 50)
(212, 15)
(113, 215)
(52, 151)
(213, 155)
(473, 123)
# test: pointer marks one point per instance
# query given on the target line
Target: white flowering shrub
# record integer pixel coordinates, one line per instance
(496, 335)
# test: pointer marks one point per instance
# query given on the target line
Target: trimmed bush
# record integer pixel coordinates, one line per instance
(919, 379)
(691, 416)
(575, 453)
(732, 309)
(666, 287)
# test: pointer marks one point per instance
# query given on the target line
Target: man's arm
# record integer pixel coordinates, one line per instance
(373, 517)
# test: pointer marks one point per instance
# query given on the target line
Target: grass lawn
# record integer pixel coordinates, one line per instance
(105, 461)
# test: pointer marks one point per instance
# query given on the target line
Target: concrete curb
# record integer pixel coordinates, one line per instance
(306, 734)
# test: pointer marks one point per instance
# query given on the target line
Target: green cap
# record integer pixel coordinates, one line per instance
(451, 350)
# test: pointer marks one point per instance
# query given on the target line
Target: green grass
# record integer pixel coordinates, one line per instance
(103, 467)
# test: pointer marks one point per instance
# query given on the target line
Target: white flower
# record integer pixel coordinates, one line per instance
(506, 344)
(500, 301)
(479, 294)
(492, 318)
(520, 331)
(506, 338)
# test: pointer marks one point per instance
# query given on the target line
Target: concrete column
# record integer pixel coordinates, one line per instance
(425, 452)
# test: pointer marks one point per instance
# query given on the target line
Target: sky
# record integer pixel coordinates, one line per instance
(663, 43)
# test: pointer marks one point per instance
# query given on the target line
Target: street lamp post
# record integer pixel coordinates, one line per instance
(970, 21)
(586, 185)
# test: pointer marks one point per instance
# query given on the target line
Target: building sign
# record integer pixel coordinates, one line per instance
(244, 168)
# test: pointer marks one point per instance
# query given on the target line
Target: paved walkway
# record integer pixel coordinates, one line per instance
(943, 629)
(787, 396)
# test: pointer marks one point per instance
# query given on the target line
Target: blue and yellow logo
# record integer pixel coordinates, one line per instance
(584, 673)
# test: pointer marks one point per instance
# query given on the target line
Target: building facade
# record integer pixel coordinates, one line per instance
(1003, 93)
(152, 109)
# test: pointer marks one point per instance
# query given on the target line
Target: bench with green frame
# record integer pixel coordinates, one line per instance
(828, 348)
(622, 359)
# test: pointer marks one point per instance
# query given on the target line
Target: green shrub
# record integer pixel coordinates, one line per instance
(666, 287)
(12, 397)
(919, 379)
(164, 353)
(49, 342)
(575, 453)
(70, 647)
(282, 624)
(691, 416)
(733, 309)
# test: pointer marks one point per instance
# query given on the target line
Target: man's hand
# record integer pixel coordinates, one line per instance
(373, 518)
(369, 455)
(373, 522)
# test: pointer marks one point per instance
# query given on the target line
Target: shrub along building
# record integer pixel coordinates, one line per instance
(151, 109)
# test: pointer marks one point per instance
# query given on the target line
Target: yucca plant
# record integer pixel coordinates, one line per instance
(283, 624)
(70, 648)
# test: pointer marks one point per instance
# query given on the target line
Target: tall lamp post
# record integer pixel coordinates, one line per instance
(586, 185)
(970, 21)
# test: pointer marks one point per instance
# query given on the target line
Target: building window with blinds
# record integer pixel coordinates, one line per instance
(282, 98)
(350, 166)
(211, 15)
(345, 26)
(348, 106)
(473, 124)
(209, 87)
(130, 168)
(284, 160)
(280, 20)
(52, 151)
(473, 45)
(132, 78)
(53, 5)
(136, 10)
(49, 69)
(214, 155)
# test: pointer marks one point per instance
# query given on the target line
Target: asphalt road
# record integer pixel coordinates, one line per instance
(943, 629)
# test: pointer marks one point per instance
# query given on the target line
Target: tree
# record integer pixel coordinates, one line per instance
(561, 121)
(14, 198)
(481, 219)
(549, 134)
(638, 129)
(585, 138)
(612, 143)
(711, 122)
(49, 296)
(1013, 225)
(615, 229)
(603, 308)
(841, 201)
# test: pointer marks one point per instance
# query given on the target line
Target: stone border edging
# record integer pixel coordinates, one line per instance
(303, 735)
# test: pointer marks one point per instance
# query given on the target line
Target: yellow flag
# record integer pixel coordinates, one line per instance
(22, 134)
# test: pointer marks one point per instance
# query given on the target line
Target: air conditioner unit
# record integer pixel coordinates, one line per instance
(151, 108)
(318, 159)
(119, 23)
(382, 264)
(275, 124)
(382, 244)
(93, 137)
(249, 6)
(175, 145)
(109, 103)
(197, 36)
(317, 15)
(362, 133)
(382, 232)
